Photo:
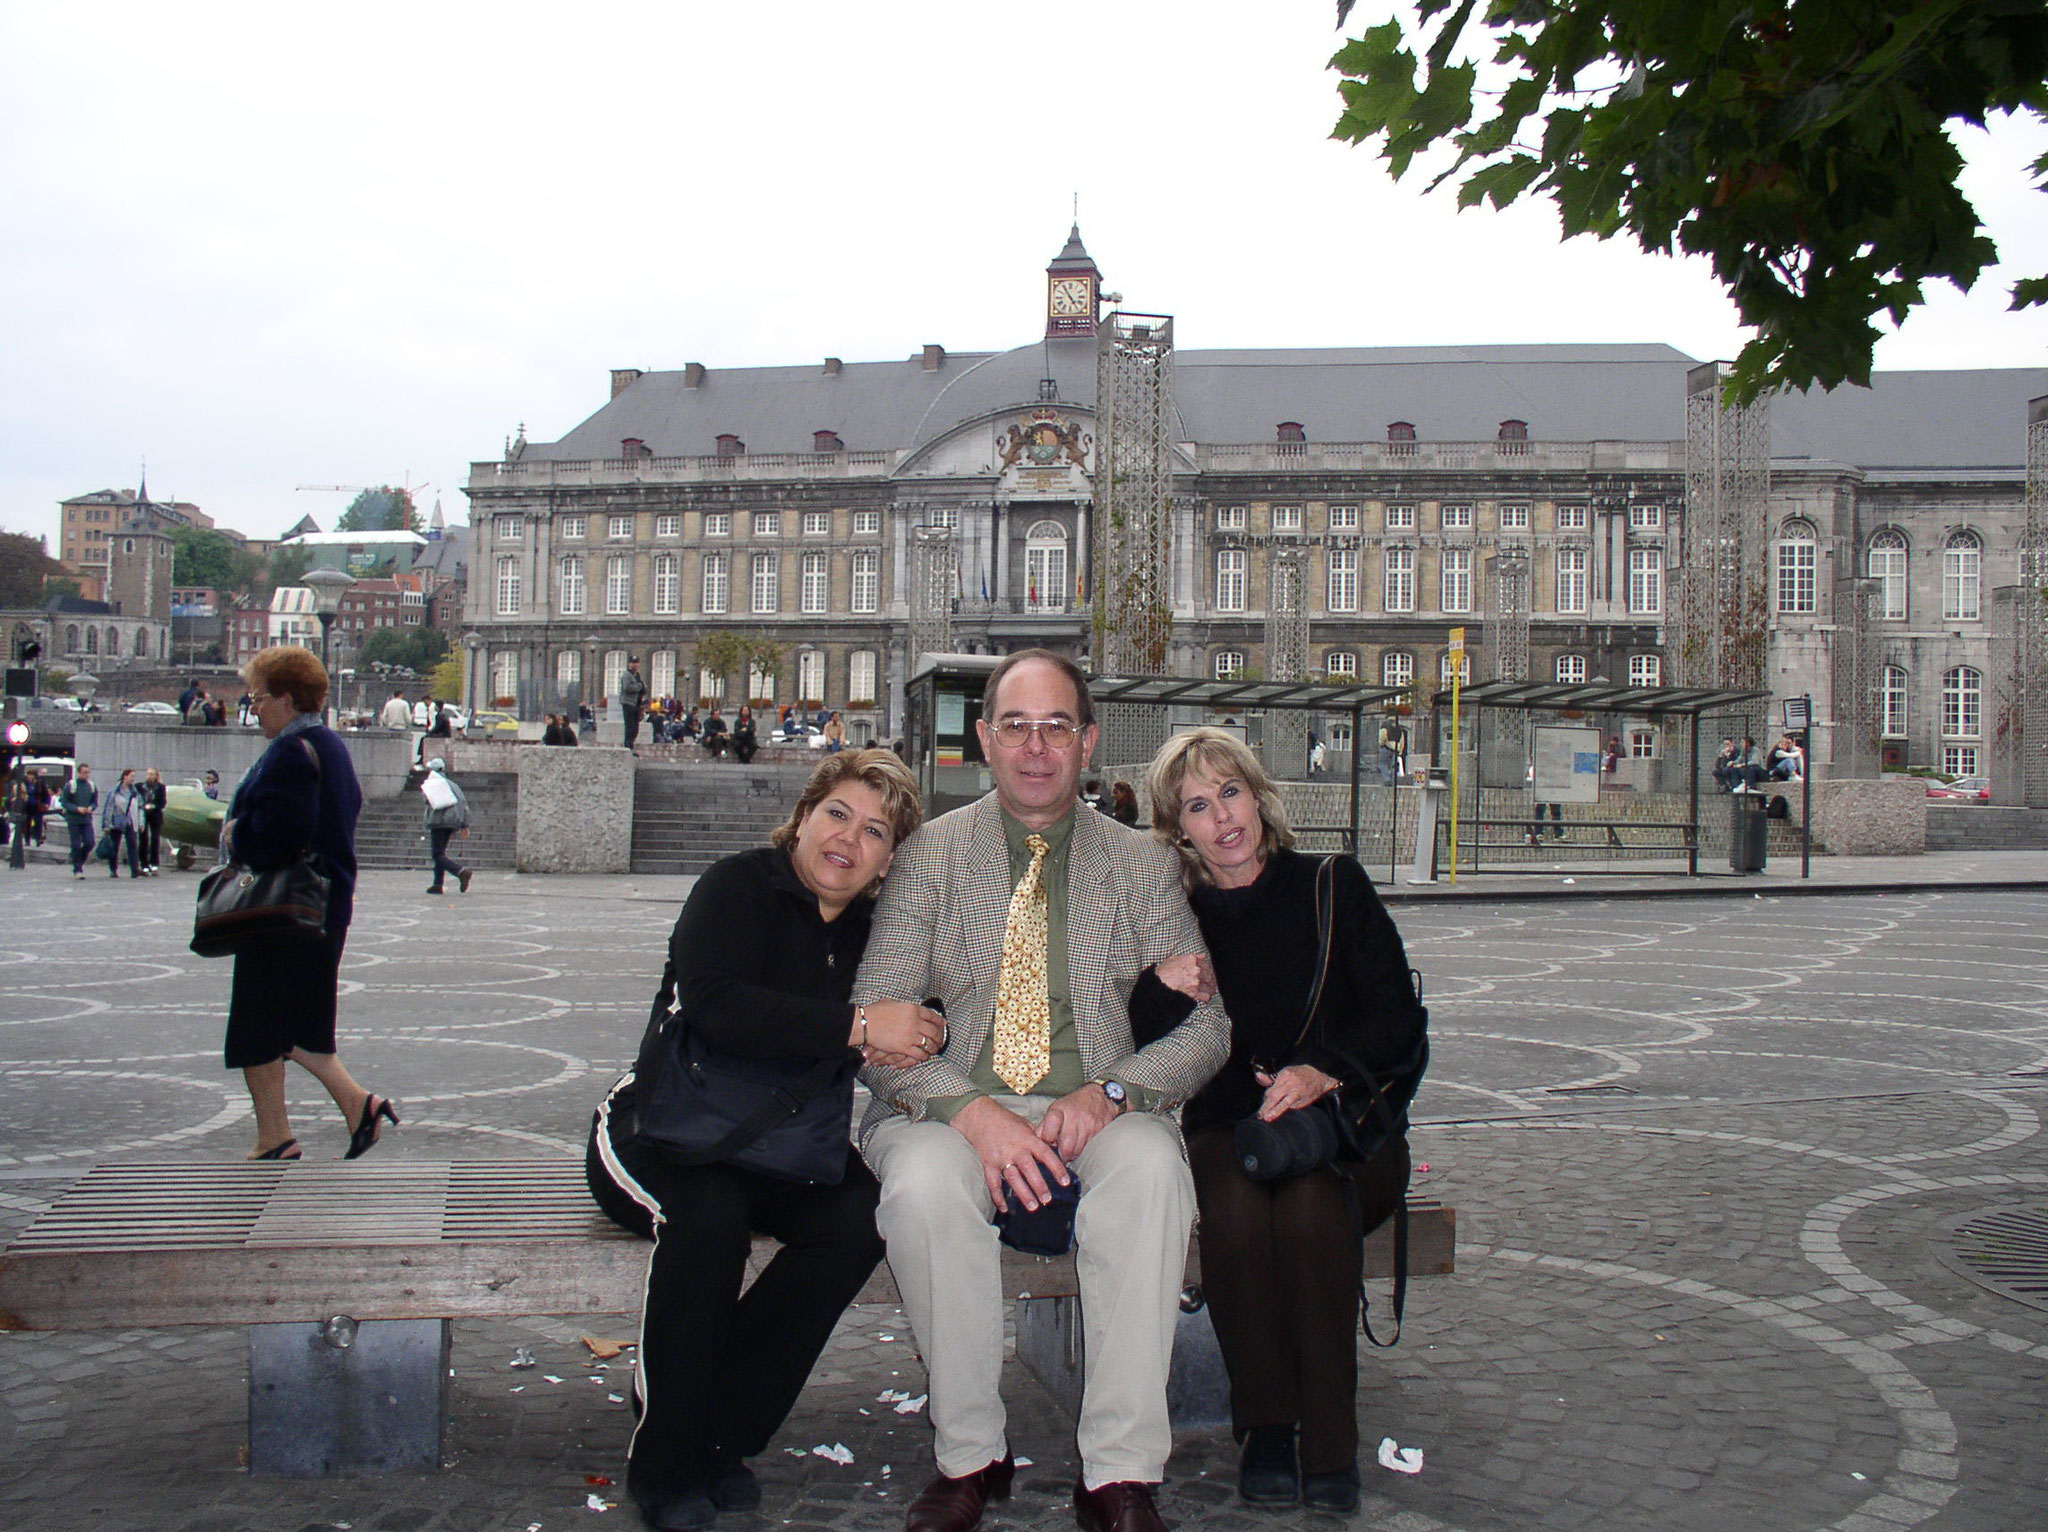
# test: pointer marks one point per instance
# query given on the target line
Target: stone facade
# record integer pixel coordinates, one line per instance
(1881, 818)
(575, 809)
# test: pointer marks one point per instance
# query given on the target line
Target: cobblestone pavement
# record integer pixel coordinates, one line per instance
(1706, 1154)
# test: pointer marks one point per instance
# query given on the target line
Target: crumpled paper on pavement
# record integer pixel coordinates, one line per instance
(1400, 1459)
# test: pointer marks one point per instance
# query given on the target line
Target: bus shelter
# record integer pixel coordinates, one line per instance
(943, 701)
(1588, 699)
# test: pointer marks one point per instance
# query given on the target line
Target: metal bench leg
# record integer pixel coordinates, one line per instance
(343, 1397)
(1197, 1388)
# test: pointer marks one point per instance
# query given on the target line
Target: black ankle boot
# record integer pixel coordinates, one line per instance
(1336, 1491)
(1269, 1473)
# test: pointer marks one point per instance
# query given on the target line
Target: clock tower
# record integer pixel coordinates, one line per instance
(1073, 289)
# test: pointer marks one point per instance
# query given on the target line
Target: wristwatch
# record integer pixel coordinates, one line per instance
(1118, 1096)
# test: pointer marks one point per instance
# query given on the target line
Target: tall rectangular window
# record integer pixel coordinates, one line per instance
(661, 673)
(1457, 579)
(618, 584)
(717, 581)
(614, 668)
(1646, 580)
(1230, 580)
(810, 677)
(1888, 568)
(1399, 593)
(568, 667)
(867, 581)
(1798, 571)
(1343, 580)
(668, 584)
(1893, 699)
(575, 594)
(816, 581)
(766, 584)
(1571, 580)
(505, 677)
(861, 690)
(1962, 568)
(508, 587)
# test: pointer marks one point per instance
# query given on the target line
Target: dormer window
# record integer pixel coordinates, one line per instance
(826, 441)
(633, 446)
(1514, 436)
(1401, 438)
(730, 445)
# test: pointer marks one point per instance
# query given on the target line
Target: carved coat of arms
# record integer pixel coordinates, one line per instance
(1044, 440)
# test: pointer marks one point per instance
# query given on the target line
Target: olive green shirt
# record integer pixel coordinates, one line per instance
(1065, 1073)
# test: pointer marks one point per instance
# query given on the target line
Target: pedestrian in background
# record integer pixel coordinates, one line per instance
(745, 738)
(447, 814)
(78, 800)
(17, 819)
(155, 797)
(632, 698)
(397, 715)
(38, 803)
(124, 810)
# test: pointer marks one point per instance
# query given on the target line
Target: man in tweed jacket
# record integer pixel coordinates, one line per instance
(949, 1138)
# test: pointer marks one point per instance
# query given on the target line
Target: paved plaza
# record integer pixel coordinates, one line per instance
(1708, 1156)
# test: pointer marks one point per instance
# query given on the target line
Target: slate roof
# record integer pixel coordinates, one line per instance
(1906, 420)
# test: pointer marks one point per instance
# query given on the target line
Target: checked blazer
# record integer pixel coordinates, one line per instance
(938, 933)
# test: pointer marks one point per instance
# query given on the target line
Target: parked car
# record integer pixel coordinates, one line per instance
(423, 714)
(1977, 789)
(161, 709)
(795, 733)
(490, 721)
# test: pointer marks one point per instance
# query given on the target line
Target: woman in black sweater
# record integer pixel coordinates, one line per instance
(1281, 1259)
(760, 966)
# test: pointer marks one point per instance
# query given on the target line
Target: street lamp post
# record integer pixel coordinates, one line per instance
(472, 687)
(327, 586)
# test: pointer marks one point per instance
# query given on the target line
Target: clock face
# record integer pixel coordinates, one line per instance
(1070, 296)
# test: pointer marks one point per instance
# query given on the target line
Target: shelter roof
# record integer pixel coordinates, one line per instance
(1601, 697)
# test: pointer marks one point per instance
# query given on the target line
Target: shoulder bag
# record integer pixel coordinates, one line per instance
(705, 1107)
(240, 908)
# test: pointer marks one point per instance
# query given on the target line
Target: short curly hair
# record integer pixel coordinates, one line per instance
(289, 670)
(1218, 754)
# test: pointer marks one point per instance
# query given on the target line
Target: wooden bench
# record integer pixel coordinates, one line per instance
(348, 1274)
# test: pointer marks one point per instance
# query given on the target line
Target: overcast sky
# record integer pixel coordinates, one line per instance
(264, 246)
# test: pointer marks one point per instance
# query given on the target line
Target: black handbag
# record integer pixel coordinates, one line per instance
(705, 1107)
(239, 908)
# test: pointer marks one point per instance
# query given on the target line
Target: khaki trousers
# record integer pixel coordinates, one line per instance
(1137, 1205)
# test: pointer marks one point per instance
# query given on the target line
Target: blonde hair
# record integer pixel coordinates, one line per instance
(879, 769)
(1219, 754)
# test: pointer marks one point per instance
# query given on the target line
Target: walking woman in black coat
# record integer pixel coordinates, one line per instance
(762, 962)
(300, 796)
(1281, 1259)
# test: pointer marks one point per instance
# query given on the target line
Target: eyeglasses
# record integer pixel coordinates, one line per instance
(1056, 733)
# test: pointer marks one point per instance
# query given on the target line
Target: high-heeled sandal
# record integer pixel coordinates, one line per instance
(288, 1150)
(366, 1132)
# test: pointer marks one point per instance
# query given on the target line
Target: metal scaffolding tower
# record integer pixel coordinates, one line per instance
(1856, 679)
(1722, 611)
(1286, 729)
(1507, 635)
(933, 562)
(2019, 643)
(1133, 607)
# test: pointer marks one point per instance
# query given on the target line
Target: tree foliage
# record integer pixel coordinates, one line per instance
(447, 680)
(287, 565)
(733, 655)
(383, 509)
(203, 557)
(26, 570)
(419, 648)
(1801, 146)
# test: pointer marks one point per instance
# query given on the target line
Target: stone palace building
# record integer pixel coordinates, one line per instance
(786, 503)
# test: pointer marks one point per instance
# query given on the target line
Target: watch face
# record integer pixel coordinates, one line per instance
(1070, 296)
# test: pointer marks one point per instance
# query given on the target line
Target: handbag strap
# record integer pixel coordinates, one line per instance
(1326, 911)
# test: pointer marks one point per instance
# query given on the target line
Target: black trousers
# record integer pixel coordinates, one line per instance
(631, 717)
(438, 838)
(720, 1371)
(1281, 1264)
(152, 837)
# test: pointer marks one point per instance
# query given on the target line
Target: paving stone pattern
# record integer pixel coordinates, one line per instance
(1705, 1154)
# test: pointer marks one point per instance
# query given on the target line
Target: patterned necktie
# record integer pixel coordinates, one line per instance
(1023, 1033)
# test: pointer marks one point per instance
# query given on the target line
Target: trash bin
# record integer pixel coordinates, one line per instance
(1749, 832)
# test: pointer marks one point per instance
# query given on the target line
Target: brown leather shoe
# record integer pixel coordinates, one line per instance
(1121, 1507)
(955, 1505)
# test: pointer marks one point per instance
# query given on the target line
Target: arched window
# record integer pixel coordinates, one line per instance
(1045, 567)
(1460, 663)
(661, 673)
(71, 638)
(1645, 670)
(1571, 670)
(569, 668)
(1798, 567)
(505, 678)
(861, 671)
(92, 640)
(1229, 664)
(1892, 701)
(810, 677)
(113, 640)
(1887, 566)
(1962, 577)
(141, 645)
(1397, 668)
(1962, 703)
